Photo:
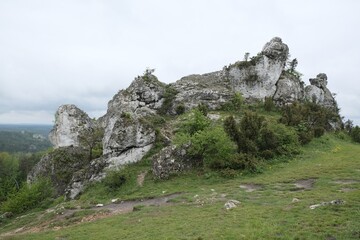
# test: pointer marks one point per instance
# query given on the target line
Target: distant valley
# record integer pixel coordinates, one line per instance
(24, 138)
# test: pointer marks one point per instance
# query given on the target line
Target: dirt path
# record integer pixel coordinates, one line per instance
(120, 207)
(128, 206)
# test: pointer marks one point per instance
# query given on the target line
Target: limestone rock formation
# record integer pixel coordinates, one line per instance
(209, 89)
(171, 160)
(319, 93)
(69, 122)
(254, 79)
(128, 136)
(59, 165)
(257, 78)
(128, 124)
(289, 89)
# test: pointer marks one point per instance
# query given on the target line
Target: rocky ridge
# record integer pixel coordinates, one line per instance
(128, 136)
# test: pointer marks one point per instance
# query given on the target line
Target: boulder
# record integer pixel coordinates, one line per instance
(171, 160)
(231, 204)
(276, 49)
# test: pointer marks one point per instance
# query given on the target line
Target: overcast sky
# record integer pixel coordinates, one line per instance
(55, 52)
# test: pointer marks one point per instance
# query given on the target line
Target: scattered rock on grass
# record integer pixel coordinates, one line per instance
(6, 215)
(231, 204)
(250, 187)
(333, 202)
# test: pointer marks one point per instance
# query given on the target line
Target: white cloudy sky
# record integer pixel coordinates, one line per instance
(54, 52)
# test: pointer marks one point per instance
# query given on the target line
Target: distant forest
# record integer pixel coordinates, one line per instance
(24, 138)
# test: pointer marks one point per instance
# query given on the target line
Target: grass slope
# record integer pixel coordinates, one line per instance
(266, 213)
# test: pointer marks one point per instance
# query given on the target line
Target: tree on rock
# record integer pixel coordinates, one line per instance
(91, 139)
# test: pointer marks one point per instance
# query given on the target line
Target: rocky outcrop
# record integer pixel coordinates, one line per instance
(128, 136)
(254, 79)
(319, 93)
(60, 165)
(171, 160)
(80, 178)
(210, 89)
(257, 78)
(289, 89)
(69, 122)
(128, 124)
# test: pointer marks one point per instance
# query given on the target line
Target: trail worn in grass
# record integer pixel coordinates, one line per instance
(276, 209)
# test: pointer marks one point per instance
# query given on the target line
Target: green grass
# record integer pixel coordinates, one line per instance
(267, 213)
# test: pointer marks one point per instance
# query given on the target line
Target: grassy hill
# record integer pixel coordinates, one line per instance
(275, 204)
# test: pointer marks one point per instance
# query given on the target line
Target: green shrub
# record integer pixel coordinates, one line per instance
(203, 108)
(228, 173)
(269, 104)
(310, 119)
(28, 197)
(180, 109)
(115, 179)
(212, 147)
(169, 96)
(285, 138)
(253, 135)
(245, 161)
(235, 103)
(250, 125)
(231, 128)
(245, 133)
(196, 122)
(319, 131)
(355, 134)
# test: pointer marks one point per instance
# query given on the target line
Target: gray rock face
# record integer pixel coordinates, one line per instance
(69, 121)
(210, 89)
(69, 169)
(171, 160)
(288, 90)
(254, 79)
(319, 93)
(276, 49)
(80, 178)
(59, 166)
(127, 136)
(257, 78)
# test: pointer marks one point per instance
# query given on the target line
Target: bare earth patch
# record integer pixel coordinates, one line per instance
(346, 181)
(141, 178)
(347, 189)
(250, 187)
(100, 212)
(305, 184)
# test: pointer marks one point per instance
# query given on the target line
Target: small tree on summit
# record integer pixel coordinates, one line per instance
(246, 56)
(292, 65)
